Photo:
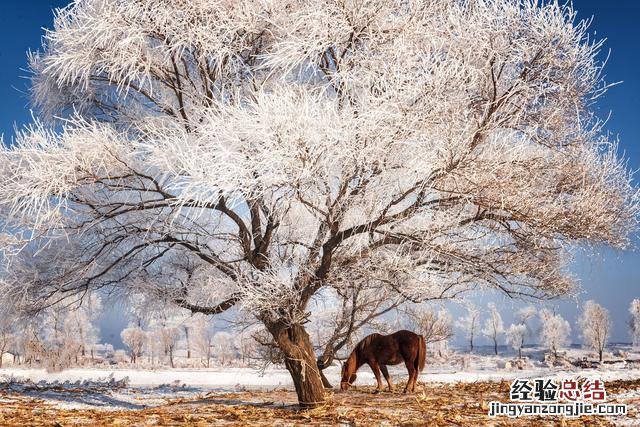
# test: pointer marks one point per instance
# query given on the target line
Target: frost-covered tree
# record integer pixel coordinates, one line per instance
(493, 326)
(245, 343)
(223, 345)
(83, 322)
(470, 323)
(634, 322)
(594, 326)
(515, 335)
(134, 337)
(202, 338)
(29, 344)
(434, 326)
(62, 343)
(524, 316)
(167, 337)
(7, 331)
(288, 147)
(555, 331)
(186, 330)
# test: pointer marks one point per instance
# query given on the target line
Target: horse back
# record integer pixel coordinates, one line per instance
(389, 349)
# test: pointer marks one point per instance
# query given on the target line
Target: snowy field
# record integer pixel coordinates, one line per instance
(110, 389)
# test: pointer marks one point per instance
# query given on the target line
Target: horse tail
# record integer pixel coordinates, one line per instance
(422, 353)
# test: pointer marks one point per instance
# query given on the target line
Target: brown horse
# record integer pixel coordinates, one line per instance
(378, 351)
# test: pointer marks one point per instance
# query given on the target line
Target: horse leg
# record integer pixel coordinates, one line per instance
(376, 371)
(416, 372)
(412, 372)
(385, 372)
(414, 380)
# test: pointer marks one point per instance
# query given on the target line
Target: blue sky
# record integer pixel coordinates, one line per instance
(609, 277)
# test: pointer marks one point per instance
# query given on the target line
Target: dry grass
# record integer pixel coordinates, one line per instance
(462, 404)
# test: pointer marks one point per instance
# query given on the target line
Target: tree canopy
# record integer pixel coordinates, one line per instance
(251, 153)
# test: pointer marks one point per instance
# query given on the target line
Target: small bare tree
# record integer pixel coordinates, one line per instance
(7, 338)
(634, 322)
(434, 326)
(224, 348)
(493, 326)
(470, 323)
(134, 338)
(515, 336)
(595, 325)
(202, 338)
(246, 343)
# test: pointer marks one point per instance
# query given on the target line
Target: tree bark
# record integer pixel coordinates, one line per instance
(300, 361)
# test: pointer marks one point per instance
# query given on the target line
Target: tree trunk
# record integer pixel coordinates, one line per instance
(300, 361)
(325, 381)
(600, 355)
(471, 344)
(324, 361)
(186, 334)
(495, 346)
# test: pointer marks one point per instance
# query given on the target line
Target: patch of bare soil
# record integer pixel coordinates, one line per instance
(461, 404)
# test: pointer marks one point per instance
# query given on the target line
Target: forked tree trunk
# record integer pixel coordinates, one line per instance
(301, 363)
(325, 381)
(323, 362)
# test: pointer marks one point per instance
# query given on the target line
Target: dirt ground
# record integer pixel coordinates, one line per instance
(462, 404)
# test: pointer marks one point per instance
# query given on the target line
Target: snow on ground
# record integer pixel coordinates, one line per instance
(110, 389)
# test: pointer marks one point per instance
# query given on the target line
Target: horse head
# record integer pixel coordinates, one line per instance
(348, 373)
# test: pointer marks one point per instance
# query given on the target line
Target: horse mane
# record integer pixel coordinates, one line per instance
(365, 342)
